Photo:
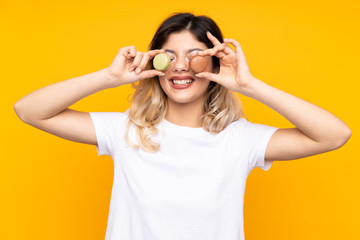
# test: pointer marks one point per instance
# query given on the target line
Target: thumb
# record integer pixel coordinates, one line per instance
(211, 76)
(150, 73)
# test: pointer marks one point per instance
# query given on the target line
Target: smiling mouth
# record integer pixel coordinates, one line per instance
(182, 82)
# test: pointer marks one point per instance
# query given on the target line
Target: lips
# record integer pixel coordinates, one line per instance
(181, 86)
(182, 77)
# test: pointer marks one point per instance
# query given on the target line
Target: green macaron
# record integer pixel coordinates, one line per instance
(161, 62)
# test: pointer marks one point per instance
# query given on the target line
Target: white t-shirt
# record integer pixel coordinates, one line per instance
(191, 189)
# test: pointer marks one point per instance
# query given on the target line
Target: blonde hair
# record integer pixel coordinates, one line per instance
(149, 107)
(149, 101)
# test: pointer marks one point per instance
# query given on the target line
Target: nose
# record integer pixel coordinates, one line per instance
(181, 64)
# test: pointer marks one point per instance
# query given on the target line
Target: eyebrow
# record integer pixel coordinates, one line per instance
(188, 51)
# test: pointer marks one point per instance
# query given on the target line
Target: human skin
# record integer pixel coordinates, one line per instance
(185, 106)
(316, 130)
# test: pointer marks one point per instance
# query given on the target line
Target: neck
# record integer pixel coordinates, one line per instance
(185, 114)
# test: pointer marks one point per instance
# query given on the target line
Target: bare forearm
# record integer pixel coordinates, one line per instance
(48, 101)
(314, 121)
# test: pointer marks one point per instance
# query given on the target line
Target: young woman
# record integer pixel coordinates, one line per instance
(183, 151)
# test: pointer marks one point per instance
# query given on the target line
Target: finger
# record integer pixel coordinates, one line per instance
(213, 39)
(124, 51)
(206, 52)
(212, 52)
(209, 52)
(150, 73)
(236, 44)
(153, 53)
(219, 51)
(132, 51)
(143, 63)
(211, 76)
(136, 61)
(225, 48)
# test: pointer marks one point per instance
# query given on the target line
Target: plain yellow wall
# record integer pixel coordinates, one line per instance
(52, 188)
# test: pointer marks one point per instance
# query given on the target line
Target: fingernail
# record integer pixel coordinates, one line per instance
(138, 70)
(131, 69)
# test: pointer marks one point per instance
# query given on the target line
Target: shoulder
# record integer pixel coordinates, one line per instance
(243, 126)
(239, 124)
(110, 116)
(110, 119)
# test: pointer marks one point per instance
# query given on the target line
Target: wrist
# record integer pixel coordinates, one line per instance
(248, 88)
(110, 79)
(99, 80)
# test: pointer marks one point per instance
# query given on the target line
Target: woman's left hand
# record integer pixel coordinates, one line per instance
(234, 71)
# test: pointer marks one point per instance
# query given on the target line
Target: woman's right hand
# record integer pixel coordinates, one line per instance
(129, 66)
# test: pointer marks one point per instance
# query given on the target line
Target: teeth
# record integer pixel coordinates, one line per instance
(182, 81)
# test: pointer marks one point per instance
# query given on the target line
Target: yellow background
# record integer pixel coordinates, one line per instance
(56, 189)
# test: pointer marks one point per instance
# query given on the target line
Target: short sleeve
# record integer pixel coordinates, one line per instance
(255, 138)
(107, 126)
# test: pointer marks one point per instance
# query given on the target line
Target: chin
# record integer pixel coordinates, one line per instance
(180, 100)
(185, 98)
